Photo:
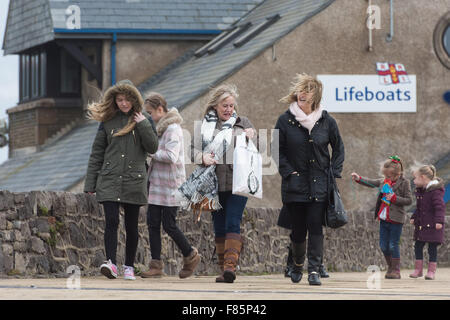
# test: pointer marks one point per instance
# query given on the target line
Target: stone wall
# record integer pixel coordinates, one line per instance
(42, 233)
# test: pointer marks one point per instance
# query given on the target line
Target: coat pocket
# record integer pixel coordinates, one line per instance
(297, 184)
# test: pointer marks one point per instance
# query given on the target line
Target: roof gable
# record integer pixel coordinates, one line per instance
(29, 24)
(34, 22)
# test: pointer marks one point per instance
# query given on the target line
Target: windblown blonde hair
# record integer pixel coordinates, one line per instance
(219, 94)
(304, 83)
(106, 108)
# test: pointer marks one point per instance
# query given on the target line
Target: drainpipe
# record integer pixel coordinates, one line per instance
(391, 32)
(370, 48)
(113, 58)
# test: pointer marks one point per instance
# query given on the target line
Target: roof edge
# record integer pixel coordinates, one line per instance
(5, 52)
(139, 31)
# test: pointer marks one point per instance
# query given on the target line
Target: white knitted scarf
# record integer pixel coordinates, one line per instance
(305, 120)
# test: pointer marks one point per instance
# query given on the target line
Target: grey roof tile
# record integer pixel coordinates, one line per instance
(56, 167)
(42, 16)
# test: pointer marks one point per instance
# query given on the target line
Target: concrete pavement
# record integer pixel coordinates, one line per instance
(341, 286)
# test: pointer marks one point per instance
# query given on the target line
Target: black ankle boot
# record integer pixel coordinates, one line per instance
(314, 279)
(289, 264)
(323, 272)
(296, 273)
(298, 257)
(315, 249)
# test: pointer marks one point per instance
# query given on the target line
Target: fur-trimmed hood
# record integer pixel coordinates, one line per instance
(127, 88)
(172, 116)
(436, 183)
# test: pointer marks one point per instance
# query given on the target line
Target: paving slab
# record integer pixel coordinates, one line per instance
(340, 286)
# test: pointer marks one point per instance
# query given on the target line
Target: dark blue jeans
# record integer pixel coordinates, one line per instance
(390, 234)
(228, 219)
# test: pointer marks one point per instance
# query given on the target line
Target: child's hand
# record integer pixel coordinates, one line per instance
(438, 226)
(411, 221)
(389, 196)
(355, 176)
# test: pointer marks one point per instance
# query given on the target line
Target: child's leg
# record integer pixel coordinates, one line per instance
(154, 213)
(395, 232)
(131, 229)
(385, 234)
(432, 264)
(170, 226)
(394, 241)
(418, 249)
(418, 264)
(111, 210)
(432, 251)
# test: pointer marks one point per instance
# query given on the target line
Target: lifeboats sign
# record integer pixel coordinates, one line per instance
(368, 93)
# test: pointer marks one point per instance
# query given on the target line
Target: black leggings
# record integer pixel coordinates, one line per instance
(432, 250)
(131, 228)
(306, 217)
(167, 215)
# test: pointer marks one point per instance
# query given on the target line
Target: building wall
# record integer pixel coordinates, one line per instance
(335, 42)
(138, 60)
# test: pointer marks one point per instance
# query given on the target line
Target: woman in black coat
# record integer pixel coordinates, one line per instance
(305, 132)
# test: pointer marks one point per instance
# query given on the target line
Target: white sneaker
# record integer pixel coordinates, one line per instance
(128, 273)
(109, 270)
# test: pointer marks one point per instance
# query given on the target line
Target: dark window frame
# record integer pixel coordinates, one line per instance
(438, 39)
(32, 74)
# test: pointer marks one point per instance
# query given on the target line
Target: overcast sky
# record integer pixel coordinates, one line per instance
(9, 76)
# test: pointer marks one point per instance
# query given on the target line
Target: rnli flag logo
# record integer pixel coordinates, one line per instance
(392, 73)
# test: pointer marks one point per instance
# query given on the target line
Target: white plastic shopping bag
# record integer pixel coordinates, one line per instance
(247, 168)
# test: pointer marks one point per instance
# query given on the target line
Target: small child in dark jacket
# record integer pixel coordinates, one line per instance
(395, 194)
(428, 218)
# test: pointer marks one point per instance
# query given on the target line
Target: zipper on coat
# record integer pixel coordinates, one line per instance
(134, 137)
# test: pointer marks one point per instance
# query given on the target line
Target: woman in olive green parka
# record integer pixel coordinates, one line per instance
(116, 170)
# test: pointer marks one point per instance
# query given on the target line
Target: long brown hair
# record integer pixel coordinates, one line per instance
(105, 109)
(155, 99)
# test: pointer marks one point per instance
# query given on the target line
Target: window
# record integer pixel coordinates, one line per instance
(32, 75)
(441, 39)
(43, 74)
(35, 75)
(446, 40)
(24, 76)
(220, 41)
(70, 72)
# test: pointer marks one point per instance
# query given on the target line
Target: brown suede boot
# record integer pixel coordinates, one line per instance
(395, 274)
(389, 265)
(220, 250)
(233, 245)
(189, 264)
(155, 270)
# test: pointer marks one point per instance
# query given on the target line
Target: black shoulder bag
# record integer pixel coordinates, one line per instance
(335, 215)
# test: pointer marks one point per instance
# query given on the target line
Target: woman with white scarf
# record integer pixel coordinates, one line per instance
(213, 177)
(305, 132)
